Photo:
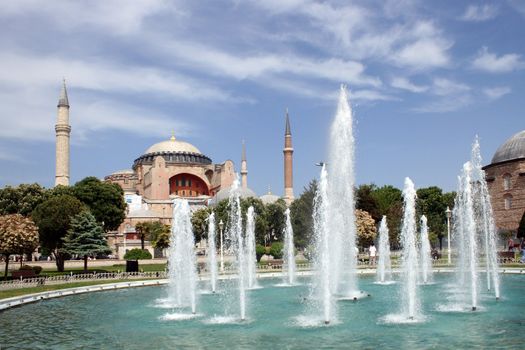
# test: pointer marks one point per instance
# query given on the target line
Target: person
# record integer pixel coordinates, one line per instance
(511, 245)
(372, 252)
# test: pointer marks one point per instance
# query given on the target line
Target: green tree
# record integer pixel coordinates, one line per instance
(22, 199)
(521, 227)
(137, 254)
(104, 200)
(385, 197)
(53, 218)
(160, 235)
(142, 229)
(259, 209)
(301, 211)
(432, 202)
(366, 201)
(200, 224)
(276, 250)
(276, 220)
(18, 235)
(85, 237)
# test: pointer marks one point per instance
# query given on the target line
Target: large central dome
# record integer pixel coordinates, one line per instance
(513, 148)
(173, 146)
(173, 151)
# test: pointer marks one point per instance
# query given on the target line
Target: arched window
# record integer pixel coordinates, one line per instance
(508, 202)
(506, 182)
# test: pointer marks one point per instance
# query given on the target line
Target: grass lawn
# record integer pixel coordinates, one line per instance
(115, 268)
(22, 291)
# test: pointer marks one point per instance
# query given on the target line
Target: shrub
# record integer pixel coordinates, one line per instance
(25, 267)
(276, 250)
(259, 251)
(137, 254)
(37, 269)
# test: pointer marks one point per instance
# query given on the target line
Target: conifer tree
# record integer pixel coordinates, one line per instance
(85, 237)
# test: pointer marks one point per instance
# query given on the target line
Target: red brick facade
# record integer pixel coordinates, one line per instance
(506, 183)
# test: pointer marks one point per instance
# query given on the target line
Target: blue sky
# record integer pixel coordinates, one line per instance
(424, 77)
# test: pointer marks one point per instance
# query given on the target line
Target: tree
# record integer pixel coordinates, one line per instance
(276, 250)
(53, 218)
(160, 235)
(85, 237)
(104, 200)
(18, 235)
(366, 201)
(275, 218)
(137, 254)
(22, 199)
(301, 211)
(432, 202)
(366, 228)
(200, 224)
(389, 201)
(142, 229)
(521, 227)
(259, 209)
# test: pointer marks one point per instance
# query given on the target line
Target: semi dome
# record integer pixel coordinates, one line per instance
(173, 146)
(269, 198)
(513, 148)
(224, 193)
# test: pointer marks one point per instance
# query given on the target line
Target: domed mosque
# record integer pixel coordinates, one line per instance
(505, 176)
(167, 170)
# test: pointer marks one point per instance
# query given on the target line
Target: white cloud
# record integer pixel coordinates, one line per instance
(116, 16)
(490, 62)
(424, 53)
(405, 84)
(449, 104)
(444, 87)
(496, 92)
(479, 13)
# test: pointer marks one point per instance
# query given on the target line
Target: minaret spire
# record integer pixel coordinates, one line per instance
(288, 162)
(63, 130)
(244, 167)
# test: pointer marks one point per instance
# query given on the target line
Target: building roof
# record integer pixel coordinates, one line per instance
(269, 198)
(63, 101)
(224, 193)
(123, 171)
(513, 148)
(173, 146)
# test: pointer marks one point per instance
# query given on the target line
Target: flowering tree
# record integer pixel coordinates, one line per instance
(18, 235)
(366, 228)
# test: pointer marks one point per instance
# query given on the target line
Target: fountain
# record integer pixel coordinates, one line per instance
(341, 213)
(251, 257)
(182, 259)
(474, 230)
(384, 267)
(212, 253)
(289, 251)
(485, 218)
(409, 263)
(425, 252)
(321, 286)
(234, 236)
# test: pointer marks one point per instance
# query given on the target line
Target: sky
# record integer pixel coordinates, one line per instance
(424, 78)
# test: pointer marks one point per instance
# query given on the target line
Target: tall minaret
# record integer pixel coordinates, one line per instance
(288, 163)
(63, 129)
(244, 167)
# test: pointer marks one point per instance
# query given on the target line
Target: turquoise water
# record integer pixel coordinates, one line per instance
(131, 319)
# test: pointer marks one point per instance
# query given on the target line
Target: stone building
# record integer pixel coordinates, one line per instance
(167, 170)
(506, 180)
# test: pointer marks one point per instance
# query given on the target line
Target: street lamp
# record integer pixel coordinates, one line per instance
(448, 212)
(221, 226)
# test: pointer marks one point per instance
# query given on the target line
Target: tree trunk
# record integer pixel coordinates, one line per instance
(59, 260)
(85, 263)
(21, 260)
(6, 266)
(142, 242)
